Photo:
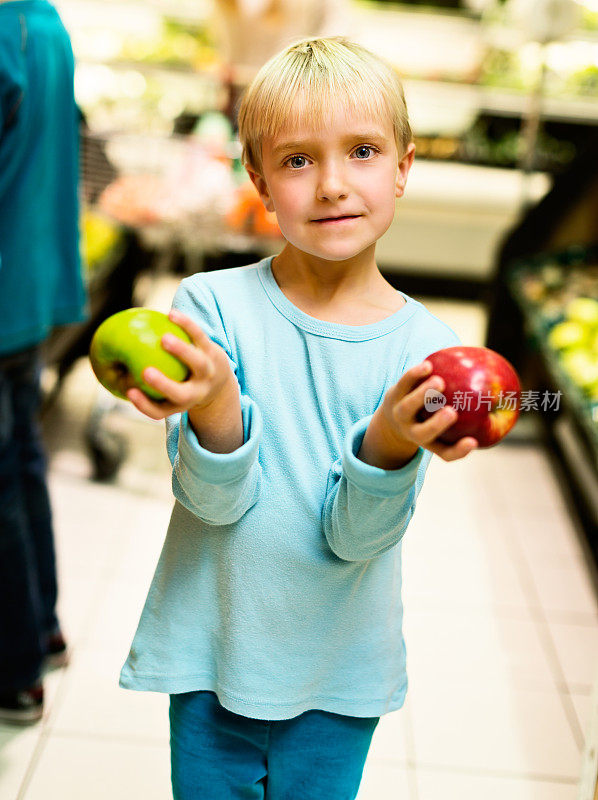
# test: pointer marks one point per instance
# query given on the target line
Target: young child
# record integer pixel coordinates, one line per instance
(274, 617)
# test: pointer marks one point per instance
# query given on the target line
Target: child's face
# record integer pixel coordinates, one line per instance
(349, 168)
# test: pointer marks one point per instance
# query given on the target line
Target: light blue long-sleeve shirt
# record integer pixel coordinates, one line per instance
(279, 583)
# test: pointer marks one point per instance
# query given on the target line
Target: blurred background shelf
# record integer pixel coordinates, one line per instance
(556, 244)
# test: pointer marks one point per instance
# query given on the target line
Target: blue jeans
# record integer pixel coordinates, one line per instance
(218, 755)
(27, 562)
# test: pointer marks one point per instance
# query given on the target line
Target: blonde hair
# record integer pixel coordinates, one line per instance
(322, 70)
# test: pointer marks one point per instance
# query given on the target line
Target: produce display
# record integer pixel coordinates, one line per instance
(139, 68)
(559, 299)
(576, 341)
(137, 200)
(164, 180)
(128, 342)
(149, 37)
(174, 44)
(481, 144)
(145, 70)
(193, 183)
(484, 389)
(247, 214)
(565, 77)
(100, 240)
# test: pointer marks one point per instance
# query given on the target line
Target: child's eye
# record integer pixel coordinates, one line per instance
(364, 147)
(292, 162)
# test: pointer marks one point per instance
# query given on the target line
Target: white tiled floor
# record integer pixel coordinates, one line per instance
(501, 624)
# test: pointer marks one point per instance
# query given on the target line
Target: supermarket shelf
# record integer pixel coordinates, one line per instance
(454, 216)
(572, 427)
(464, 100)
(581, 111)
(536, 327)
(584, 413)
(569, 447)
(579, 476)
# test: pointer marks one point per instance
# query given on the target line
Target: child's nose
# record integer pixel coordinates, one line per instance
(331, 184)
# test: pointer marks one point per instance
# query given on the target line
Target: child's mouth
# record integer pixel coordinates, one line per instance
(337, 220)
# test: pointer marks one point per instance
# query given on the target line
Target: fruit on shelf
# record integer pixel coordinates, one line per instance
(575, 340)
(482, 386)
(553, 276)
(582, 367)
(567, 334)
(128, 342)
(583, 310)
(99, 237)
(193, 184)
(247, 214)
(266, 224)
(137, 200)
(533, 288)
(174, 44)
(561, 303)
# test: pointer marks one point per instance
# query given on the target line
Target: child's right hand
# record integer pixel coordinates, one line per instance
(402, 404)
(210, 373)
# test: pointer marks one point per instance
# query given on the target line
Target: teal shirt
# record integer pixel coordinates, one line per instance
(40, 270)
(279, 583)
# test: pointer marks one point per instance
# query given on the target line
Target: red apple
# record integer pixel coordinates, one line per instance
(482, 387)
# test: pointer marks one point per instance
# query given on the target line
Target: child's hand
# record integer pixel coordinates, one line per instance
(209, 373)
(405, 399)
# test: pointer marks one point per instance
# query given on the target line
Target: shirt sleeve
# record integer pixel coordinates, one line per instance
(217, 487)
(367, 509)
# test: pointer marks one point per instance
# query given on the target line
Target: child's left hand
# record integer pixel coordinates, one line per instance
(400, 408)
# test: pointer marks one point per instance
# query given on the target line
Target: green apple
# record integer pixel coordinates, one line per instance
(583, 309)
(128, 342)
(567, 334)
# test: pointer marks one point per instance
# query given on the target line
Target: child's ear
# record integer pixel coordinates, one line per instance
(403, 169)
(262, 187)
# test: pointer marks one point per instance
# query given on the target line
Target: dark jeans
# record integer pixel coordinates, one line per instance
(216, 754)
(27, 562)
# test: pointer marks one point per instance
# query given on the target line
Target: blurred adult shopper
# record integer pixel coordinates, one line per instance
(252, 31)
(40, 286)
